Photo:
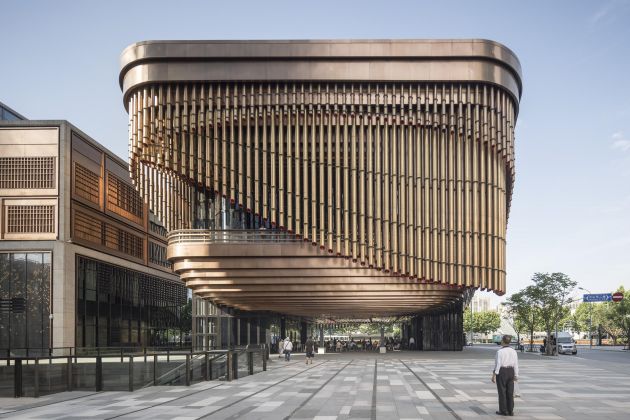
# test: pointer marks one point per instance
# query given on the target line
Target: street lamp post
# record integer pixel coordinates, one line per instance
(590, 321)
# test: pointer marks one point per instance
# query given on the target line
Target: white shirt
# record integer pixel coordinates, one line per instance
(506, 357)
(412, 340)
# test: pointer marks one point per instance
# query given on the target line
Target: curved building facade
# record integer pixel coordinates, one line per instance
(348, 178)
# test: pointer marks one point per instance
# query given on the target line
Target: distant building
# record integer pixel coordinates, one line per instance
(480, 303)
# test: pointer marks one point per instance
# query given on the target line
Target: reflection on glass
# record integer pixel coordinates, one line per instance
(121, 307)
(25, 293)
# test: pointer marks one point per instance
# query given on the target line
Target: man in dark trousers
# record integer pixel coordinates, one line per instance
(504, 374)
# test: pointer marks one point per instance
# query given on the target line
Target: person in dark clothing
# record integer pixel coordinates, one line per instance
(505, 373)
(309, 348)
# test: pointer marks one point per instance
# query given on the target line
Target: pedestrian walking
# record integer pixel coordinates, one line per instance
(309, 348)
(412, 343)
(288, 347)
(505, 373)
(280, 348)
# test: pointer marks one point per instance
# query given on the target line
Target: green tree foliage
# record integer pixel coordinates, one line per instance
(614, 317)
(523, 314)
(549, 294)
(370, 328)
(580, 320)
(483, 322)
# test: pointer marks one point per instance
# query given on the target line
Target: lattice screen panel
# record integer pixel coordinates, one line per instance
(123, 199)
(86, 183)
(27, 172)
(30, 219)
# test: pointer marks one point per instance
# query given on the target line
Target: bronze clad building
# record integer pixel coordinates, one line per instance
(336, 178)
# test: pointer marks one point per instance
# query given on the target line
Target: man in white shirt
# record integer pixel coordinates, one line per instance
(412, 343)
(288, 348)
(505, 373)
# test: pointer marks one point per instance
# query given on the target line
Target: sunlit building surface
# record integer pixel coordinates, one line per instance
(82, 260)
(329, 178)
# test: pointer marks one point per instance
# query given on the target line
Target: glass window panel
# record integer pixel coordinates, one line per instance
(18, 290)
(5, 295)
(131, 307)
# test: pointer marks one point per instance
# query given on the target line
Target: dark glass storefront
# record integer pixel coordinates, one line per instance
(25, 300)
(121, 307)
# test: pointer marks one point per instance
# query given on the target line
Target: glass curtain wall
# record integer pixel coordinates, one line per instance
(217, 213)
(121, 307)
(25, 300)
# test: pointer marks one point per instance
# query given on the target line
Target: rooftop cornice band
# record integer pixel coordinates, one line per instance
(321, 60)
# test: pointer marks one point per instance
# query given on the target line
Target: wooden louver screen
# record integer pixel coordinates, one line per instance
(413, 179)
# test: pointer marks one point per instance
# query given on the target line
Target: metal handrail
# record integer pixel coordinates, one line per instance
(93, 367)
(20, 352)
(229, 236)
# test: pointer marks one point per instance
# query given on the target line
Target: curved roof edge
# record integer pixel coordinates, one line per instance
(153, 57)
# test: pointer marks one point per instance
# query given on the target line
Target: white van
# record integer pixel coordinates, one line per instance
(565, 343)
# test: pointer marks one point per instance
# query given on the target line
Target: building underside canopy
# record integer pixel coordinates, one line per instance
(383, 170)
(265, 271)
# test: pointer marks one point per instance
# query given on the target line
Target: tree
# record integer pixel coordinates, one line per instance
(524, 314)
(483, 322)
(581, 318)
(549, 294)
(615, 317)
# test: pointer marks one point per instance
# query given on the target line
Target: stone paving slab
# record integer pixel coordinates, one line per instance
(402, 385)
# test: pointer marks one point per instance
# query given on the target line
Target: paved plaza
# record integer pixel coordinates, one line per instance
(401, 385)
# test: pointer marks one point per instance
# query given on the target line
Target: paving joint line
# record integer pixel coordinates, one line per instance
(317, 391)
(258, 392)
(164, 402)
(2, 415)
(373, 413)
(448, 408)
(47, 405)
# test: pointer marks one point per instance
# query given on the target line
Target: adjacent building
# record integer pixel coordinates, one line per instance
(331, 179)
(8, 114)
(82, 259)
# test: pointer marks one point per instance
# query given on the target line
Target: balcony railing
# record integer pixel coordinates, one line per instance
(232, 236)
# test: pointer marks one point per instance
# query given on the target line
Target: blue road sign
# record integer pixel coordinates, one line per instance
(598, 297)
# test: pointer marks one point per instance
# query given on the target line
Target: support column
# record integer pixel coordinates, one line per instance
(283, 328)
(321, 336)
(218, 342)
(303, 332)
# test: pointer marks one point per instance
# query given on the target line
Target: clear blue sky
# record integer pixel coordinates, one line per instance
(571, 207)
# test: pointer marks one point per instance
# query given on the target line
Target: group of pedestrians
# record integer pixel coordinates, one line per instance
(285, 347)
(340, 346)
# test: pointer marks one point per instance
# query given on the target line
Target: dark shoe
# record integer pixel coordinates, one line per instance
(501, 414)
(511, 414)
